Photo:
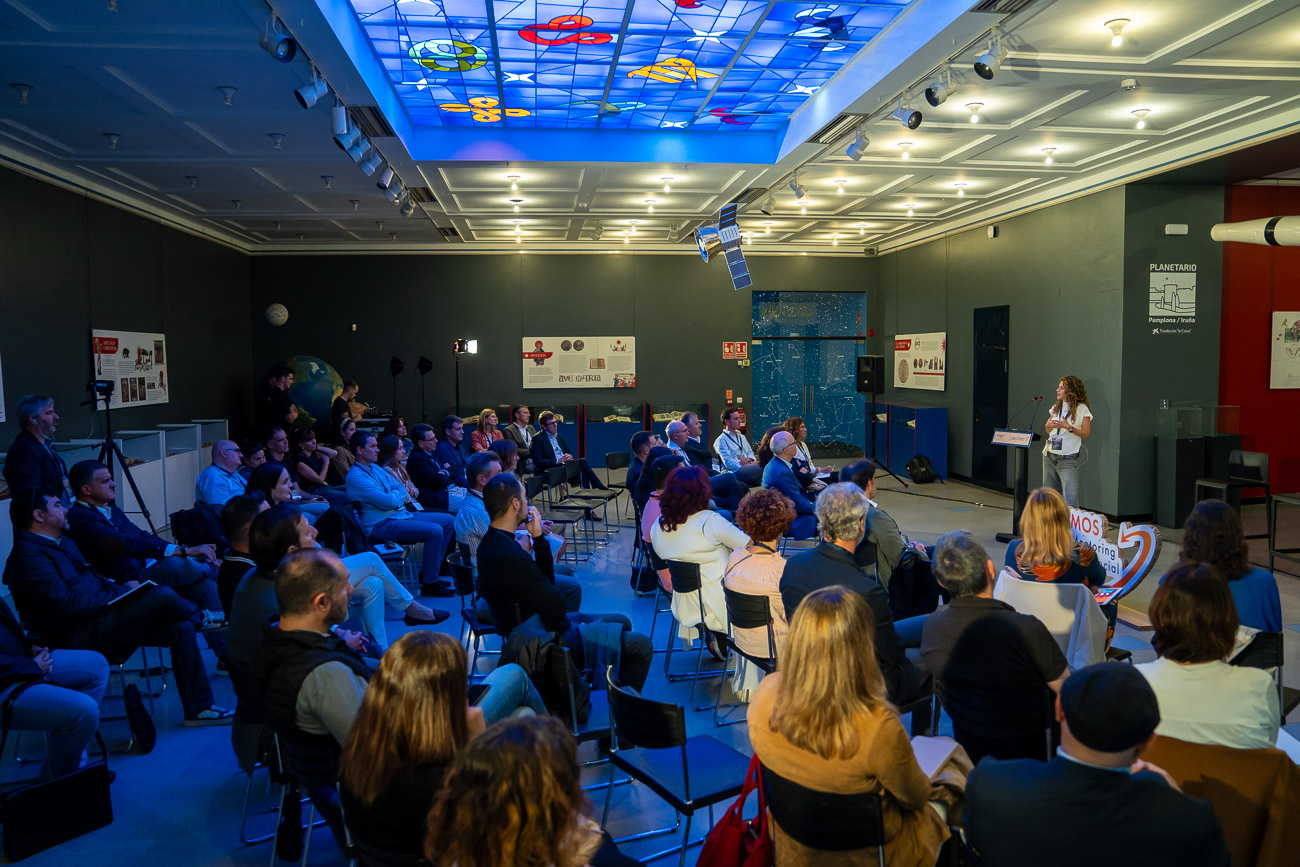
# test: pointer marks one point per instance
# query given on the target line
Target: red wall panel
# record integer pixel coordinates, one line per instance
(1256, 281)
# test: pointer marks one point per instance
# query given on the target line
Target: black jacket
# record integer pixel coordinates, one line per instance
(53, 585)
(829, 564)
(16, 663)
(29, 465)
(451, 460)
(115, 547)
(1062, 813)
(430, 479)
(544, 457)
(508, 576)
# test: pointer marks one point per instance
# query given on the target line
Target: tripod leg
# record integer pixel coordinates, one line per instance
(106, 452)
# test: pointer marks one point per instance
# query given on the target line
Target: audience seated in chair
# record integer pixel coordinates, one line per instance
(252, 454)
(1212, 534)
(54, 691)
(842, 510)
(524, 774)
(804, 468)
(1096, 802)
(236, 517)
(32, 462)
(645, 483)
(661, 468)
(521, 433)
(641, 443)
(311, 461)
(221, 479)
(778, 475)
(343, 457)
(689, 532)
(381, 504)
(396, 427)
(436, 488)
(1047, 550)
(684, 440)
(734, 450)
(413, 722)
(756, 570)
(508, 577)
(992, 678)
(1203, 699)
(277, 455)
(392, 457)
(485, 432)
(447, 452)
(64, 601)
(549, 449)
(341, 408)
(824, 721)
(764, 450)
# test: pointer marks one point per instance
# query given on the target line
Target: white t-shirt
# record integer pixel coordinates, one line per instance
(1215, 703)
(1069, 442)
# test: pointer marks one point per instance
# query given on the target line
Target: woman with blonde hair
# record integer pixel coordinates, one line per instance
(513, 797)
(1069, 423)
(823, 721)
(413, 721)
(481, 440)
(1046, 550)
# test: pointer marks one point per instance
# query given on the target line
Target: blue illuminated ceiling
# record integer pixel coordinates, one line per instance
(694, 65)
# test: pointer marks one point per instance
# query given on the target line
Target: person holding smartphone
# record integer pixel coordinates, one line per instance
(1069, 423)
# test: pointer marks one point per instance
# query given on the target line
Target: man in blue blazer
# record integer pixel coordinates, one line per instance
(31, 461)
(779, 476)
(437, 488)
(1096, 802)
(448, 454)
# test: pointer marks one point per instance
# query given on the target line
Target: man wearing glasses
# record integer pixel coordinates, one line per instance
(550, 450)
(220, 481)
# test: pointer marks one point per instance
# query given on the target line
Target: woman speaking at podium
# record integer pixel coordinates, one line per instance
(1068, 424)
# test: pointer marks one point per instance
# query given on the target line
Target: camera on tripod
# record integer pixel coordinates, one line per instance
(101, 387)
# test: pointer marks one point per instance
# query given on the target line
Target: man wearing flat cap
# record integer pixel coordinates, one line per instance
(1096, 804)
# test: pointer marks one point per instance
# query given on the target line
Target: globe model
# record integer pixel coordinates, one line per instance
(277, 314)
(315, 385)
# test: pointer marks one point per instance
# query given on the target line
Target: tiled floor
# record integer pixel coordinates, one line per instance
(181, 804)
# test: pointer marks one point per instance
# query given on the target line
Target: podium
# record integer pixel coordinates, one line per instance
(1020, 440)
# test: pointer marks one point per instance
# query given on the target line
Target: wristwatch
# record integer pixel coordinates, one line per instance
(184, 552)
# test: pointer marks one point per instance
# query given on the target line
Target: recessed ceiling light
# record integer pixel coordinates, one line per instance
(974, 109)
(514, 181)
(1141, 115)
(650, 206)
(24, 90)
(835, 240)
(840, 183)
(767, 227)
(193, 179)
(961, 188)
(1116, 27)
(228, 94)
(667, 184)
(1047, 153)
(112, 140)
(803, 207)
(905, 147)
(911, 206)
(862, 228)
(633, 223)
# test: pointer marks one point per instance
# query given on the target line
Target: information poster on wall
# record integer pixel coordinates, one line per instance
(136, 362)
(920, 360)
(1284, 372)
(579, 362)
(1171, 301)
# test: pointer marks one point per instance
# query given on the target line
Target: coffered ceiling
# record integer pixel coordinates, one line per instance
(129, 105)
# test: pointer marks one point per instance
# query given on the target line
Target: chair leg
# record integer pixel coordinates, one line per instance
(609, 788)
(243, 825)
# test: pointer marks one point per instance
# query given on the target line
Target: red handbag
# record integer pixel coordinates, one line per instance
(734, 842)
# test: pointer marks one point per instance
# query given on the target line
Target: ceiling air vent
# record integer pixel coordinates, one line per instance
(838, 128)
(449, 233)
(1001, 7)
(750, 195)
(421, 195)
(371, 121)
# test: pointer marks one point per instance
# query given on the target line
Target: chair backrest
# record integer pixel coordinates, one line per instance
(824, 821)
(654, 725)
(311, 765)
(200, 525)
(1248, 467)
(747, 611)
(533, 486)
(369, 855)
(1069, 611)
(555, 476)
(572, 472)
(657, 563)
(686, 576)
(617, 460)
(462, 576)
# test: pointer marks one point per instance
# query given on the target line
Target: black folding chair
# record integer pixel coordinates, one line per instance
(473, 630)
(662, 757)
(746, 611)
(619, 461)
(661, 596)
(535, 486)
(686, 579)
(825, 821)
(1265, 651)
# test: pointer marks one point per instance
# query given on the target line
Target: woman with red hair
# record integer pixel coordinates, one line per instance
(688, 531)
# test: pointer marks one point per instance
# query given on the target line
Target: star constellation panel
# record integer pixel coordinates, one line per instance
(614, 64)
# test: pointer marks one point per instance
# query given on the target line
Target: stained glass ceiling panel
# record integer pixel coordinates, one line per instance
(705, 65)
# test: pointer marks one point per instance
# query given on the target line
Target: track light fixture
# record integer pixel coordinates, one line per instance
(385, 178)
(395, 192)
(1116, 27)
(1047, 154)
(974, 109)
(769, 207)
(941, 89)
(371, 163)
(276, 41)
(1141, 115)
(309, 94)
(597, 231)
(348, 137)
(906, 148)
(355, 203)
(358, 148)
(329, 181)
(408, 207)
(338, 119)
(988, 63)
(858, 148)
(674, 233)
(799, 191)
(194, 181)
(907, 116)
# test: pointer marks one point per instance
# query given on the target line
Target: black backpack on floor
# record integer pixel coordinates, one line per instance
(922, 471)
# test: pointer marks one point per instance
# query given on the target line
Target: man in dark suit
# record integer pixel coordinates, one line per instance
(1096, 802)
(727, 492)
(67, 604)
(437, 488)
(640, 446)
(521, 433)
(31, 461)
(448, 454)
(779, 476)
(842, 509)
(550, 450)
(509, 577)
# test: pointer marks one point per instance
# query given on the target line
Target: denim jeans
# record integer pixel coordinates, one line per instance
(1062, 473)
(510, 690)
(435, 529)
(65, 706)
(194, 581)
(373, 584)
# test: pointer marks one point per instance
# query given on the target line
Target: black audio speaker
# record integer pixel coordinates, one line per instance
(871, 374)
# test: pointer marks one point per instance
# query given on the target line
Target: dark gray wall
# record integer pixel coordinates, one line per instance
(69, 264)
(1180, 364)
(678, 309)
(1060, 272)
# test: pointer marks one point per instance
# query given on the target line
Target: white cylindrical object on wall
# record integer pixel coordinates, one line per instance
(1272, 231)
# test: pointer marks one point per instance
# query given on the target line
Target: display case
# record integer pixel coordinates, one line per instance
(609, 428)
(144, 451)
(917, 430)
(182, 449)
(660, 414)
(1193, 441)
(210, 430)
